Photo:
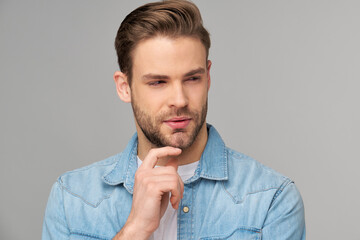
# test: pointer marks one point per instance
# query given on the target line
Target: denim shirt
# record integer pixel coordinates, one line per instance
(230, 196)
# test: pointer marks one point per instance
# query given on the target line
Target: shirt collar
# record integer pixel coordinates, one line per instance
(212, 166)
(124, 170)
(213, 162)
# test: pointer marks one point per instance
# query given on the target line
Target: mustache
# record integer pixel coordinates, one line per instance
(176, 113)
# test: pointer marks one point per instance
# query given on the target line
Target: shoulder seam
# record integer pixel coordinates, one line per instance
(238, 201)
(280, 190)
(92, 165)
(259, 164)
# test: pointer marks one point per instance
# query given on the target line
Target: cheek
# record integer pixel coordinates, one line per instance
(153, 105)
(149, 101)
(199, 97)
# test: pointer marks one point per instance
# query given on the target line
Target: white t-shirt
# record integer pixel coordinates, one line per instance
(167, 229)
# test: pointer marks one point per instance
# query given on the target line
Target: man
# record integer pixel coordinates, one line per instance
(175, 179)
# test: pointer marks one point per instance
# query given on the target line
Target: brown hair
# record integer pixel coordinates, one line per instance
(172, 18)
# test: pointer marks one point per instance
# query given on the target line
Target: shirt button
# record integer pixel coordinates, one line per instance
(186, 209)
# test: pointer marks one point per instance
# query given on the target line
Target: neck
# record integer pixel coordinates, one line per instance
(188, 155)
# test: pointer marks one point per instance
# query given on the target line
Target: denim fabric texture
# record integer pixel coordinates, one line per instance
(230, 196)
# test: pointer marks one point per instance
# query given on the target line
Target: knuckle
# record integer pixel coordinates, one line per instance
(138, 175)
(173, 185)
(152, 151)
(175, 180)
(150, 185)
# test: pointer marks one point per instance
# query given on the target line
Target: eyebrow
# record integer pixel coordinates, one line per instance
(151, 76)
(199, 70)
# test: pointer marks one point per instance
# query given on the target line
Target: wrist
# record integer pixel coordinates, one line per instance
(132, 231)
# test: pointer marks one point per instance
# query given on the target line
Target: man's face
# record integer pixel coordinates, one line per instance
(169, 90)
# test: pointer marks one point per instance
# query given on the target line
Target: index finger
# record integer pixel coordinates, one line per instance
(156, 153)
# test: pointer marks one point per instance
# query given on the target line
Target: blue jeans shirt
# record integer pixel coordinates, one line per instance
(230, 196)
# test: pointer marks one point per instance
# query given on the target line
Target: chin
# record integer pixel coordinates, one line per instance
(181, 142)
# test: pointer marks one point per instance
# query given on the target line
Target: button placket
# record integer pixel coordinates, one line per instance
(184, 215)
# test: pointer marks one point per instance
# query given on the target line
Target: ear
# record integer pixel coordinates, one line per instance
(122, 86)
(208, 73)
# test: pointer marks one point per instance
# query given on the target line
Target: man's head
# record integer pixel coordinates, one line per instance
(166, 18)
(162, 50)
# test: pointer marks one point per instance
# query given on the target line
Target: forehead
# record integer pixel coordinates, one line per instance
(169, 56)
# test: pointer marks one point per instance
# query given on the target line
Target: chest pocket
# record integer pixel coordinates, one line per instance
(238, 234)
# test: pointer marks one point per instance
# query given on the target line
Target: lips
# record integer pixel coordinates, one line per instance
(178, 122)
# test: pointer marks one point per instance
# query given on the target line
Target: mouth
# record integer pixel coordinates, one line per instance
(178, 122)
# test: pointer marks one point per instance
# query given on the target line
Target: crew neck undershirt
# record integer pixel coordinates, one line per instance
(167, 229)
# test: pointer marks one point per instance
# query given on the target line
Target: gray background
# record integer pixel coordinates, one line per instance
(285, 83)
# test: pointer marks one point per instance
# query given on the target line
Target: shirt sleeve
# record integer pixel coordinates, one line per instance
(55, 225)
(286, 218)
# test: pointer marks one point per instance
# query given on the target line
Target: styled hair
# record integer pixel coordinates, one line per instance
(171, 18)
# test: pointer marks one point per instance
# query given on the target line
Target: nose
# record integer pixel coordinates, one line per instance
(178, 96)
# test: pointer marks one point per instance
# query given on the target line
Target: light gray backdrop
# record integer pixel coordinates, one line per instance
(285, 90)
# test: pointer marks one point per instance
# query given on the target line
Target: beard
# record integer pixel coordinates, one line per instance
(179, 138)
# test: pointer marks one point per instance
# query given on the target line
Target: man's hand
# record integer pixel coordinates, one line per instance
(151, 194)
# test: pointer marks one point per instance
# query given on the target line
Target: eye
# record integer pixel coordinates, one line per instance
(156, 83)
(194, 78)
